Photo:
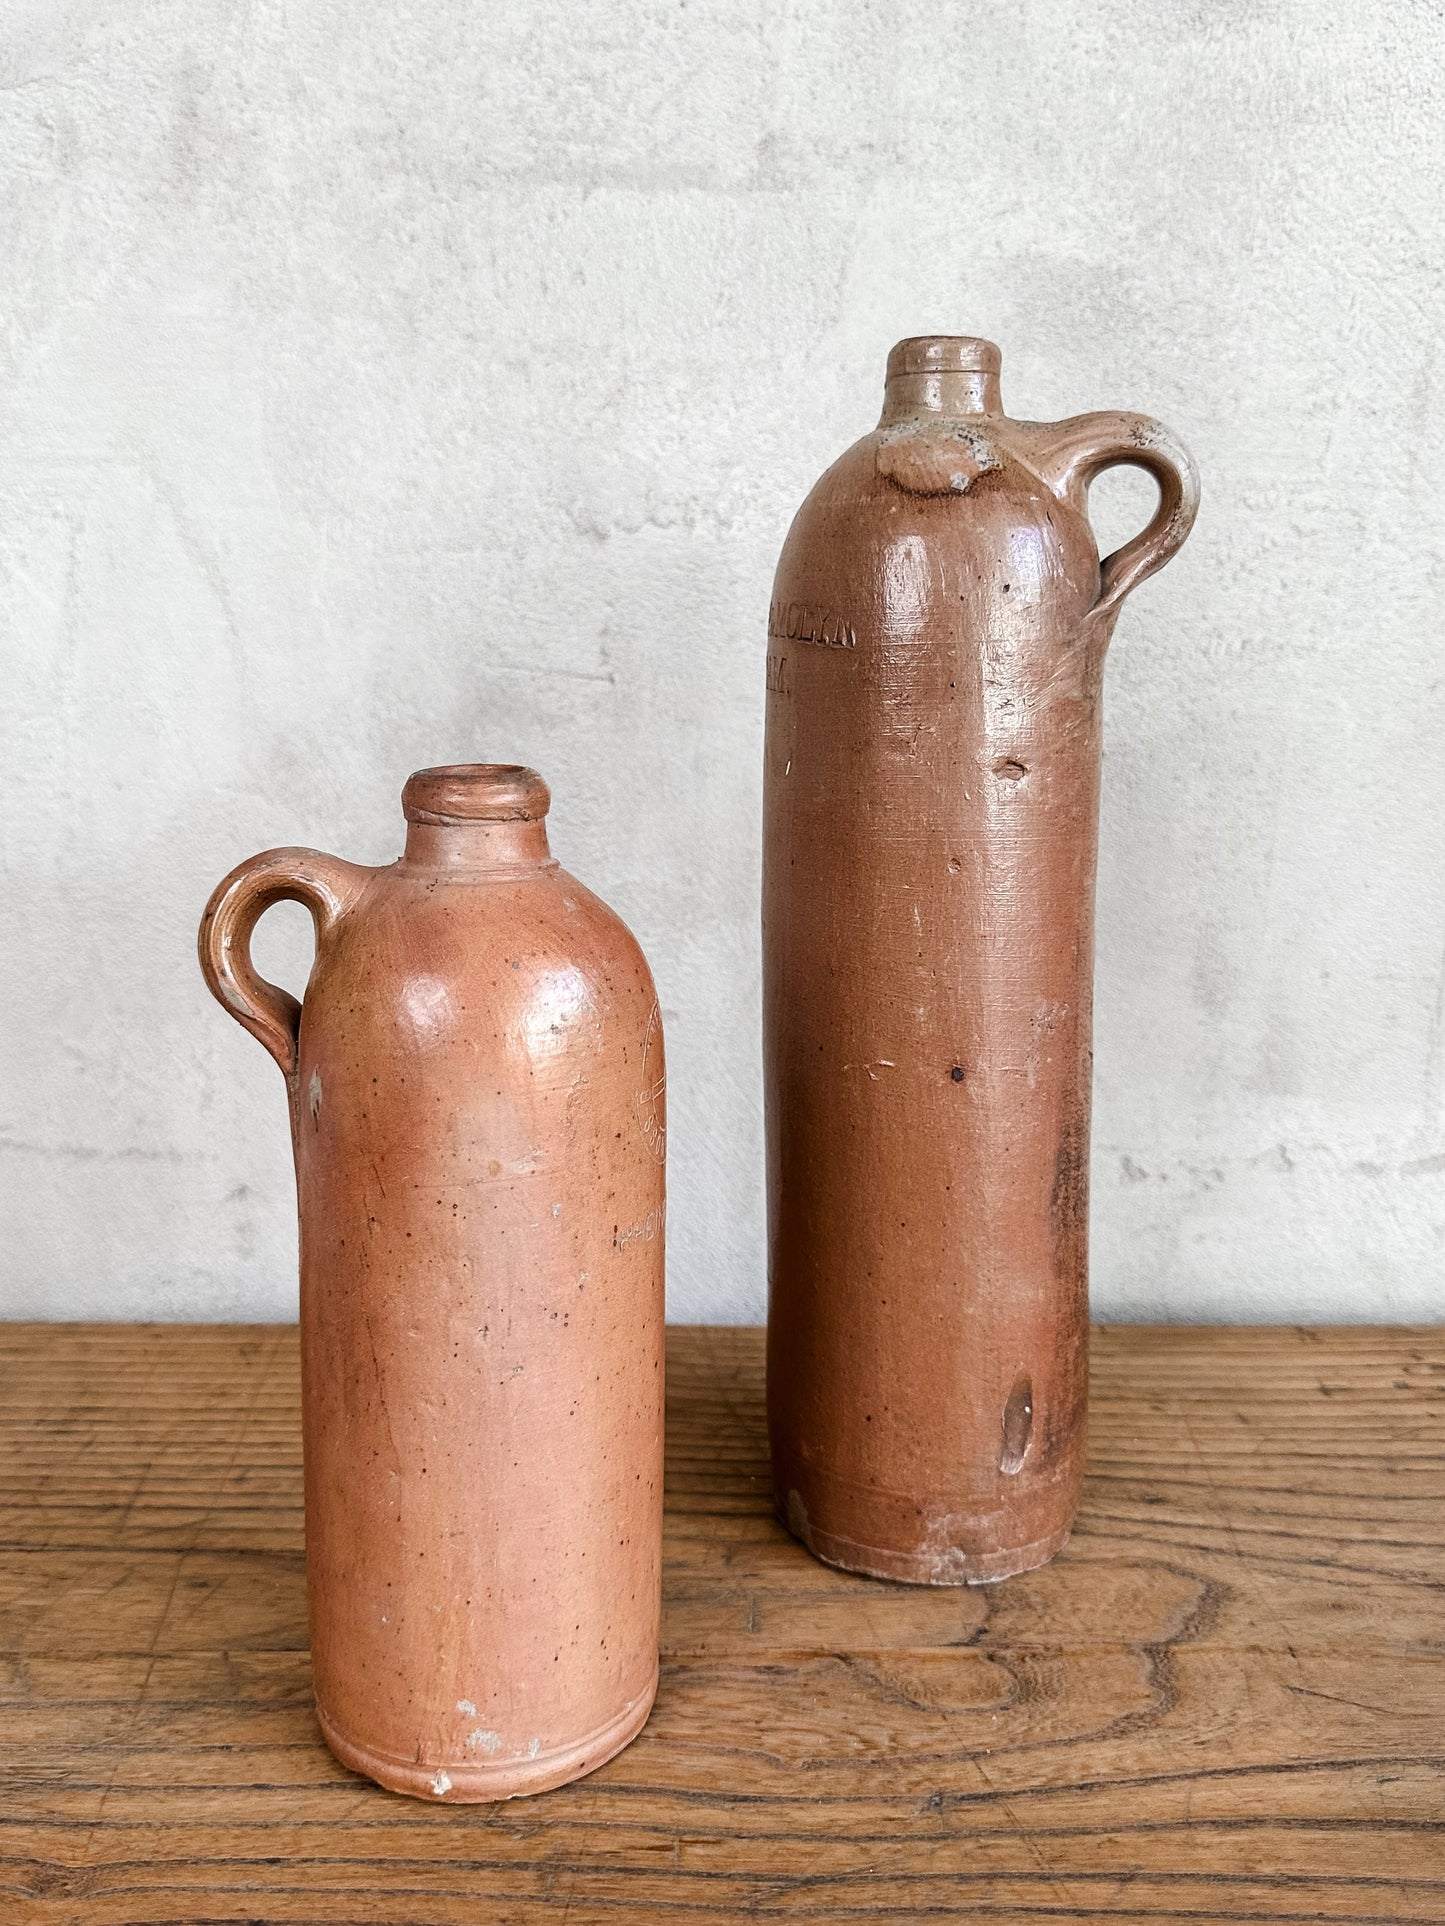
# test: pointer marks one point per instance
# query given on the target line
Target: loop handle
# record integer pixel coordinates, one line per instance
(325, 884)
(1077, 451)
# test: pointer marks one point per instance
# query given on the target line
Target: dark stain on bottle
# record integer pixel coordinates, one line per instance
(1069, 1204)
(1018, 1424)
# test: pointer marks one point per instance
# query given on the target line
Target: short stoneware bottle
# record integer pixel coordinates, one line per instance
(477, 1110)
(935, 654)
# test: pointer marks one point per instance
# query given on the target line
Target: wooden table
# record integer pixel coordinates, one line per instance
(1224, 1701)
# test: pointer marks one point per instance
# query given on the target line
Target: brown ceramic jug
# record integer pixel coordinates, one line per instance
(935, 653)
(476, 1089)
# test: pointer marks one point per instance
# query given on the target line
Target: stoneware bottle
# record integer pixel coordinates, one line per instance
(936, 645)
(476, 1089)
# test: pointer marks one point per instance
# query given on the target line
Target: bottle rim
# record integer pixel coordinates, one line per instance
(476, 792)
(944, 354)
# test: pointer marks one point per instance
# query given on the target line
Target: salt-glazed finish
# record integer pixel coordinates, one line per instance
(477, 1110)
(935, 655)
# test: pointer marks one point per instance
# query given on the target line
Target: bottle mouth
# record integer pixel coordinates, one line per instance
(944, 354)
(476, 792)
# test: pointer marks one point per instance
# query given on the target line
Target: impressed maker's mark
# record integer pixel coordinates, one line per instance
(802, 622)
(652, 1097)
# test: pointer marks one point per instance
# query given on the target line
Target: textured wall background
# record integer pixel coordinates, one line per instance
(386, 387)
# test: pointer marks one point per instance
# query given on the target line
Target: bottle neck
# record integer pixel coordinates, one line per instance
(477, 846)
(948, 375)
(948, 395)
(476, 816)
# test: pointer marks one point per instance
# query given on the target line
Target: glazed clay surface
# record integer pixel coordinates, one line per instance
(935, 654)
(476, 1087)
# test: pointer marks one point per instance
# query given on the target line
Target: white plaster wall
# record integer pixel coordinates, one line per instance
(386, 386)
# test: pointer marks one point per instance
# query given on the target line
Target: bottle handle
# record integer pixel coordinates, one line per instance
(325, 884)
(1077, 451)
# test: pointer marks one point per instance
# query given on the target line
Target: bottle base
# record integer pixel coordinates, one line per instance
(928, 1565)
(473, 1782)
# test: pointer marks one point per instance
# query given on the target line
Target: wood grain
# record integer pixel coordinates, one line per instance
(1225, 1701)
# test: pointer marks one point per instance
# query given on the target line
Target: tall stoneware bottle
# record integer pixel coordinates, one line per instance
(476, 1089)
(936, 645)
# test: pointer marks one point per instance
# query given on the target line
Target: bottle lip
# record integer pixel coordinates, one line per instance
(476, 792)
(944, 354)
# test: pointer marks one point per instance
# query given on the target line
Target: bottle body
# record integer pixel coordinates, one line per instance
(931, 800)
(477, 1114)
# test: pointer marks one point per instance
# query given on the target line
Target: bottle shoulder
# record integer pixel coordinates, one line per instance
(933, 513)
(959, 462)
(433, 956)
